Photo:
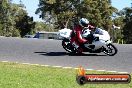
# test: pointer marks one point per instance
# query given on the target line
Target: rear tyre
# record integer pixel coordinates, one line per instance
(111, 50)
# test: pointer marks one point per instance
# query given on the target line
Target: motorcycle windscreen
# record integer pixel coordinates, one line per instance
(65, 33)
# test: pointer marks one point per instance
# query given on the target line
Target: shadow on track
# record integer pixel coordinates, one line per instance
(52, 53)
(83, 54)
(65, 54)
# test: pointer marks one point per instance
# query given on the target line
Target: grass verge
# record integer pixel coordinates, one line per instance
(14, 75)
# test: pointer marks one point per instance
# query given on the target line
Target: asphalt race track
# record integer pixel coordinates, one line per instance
(50, 52)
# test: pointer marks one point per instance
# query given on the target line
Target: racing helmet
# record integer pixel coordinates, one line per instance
(83, 22)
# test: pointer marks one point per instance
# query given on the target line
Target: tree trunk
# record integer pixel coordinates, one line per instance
(66, 25)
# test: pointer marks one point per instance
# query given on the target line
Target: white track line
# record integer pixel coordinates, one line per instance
(26, 63)
(112, 71)
(67, 67)
(45, 65)
(76, 68)
(57, 66)
(35, 64)
(123, 72)
(4, 61)
(101, 70)
(89, 69)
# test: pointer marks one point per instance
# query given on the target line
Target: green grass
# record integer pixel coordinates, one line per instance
(14, 75)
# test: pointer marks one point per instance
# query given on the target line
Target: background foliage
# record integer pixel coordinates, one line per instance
(57, 14)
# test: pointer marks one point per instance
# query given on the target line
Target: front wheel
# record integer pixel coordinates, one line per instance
(111, 50)
(68, 46)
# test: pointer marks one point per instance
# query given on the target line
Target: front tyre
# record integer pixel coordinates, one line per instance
(67, 46)
(111, 50)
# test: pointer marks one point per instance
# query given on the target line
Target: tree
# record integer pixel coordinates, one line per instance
(25, 25)
(127, 30)
(117, 33)
(4, 16)
(12, 18)
(17, 13)
(63, 11)
(41, 26)
(8, 14)
(58, 12)
(100, 13)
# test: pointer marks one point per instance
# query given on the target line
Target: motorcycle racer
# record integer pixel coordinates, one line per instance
(77, 40)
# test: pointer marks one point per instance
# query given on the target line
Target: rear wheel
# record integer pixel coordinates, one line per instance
(111, 50)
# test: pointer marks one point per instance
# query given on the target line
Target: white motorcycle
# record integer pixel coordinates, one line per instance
(101, 42)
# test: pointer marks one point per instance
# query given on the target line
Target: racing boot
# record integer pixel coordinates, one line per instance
(79, 50)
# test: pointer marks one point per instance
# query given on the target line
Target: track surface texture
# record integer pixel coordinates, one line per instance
(50, 52)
